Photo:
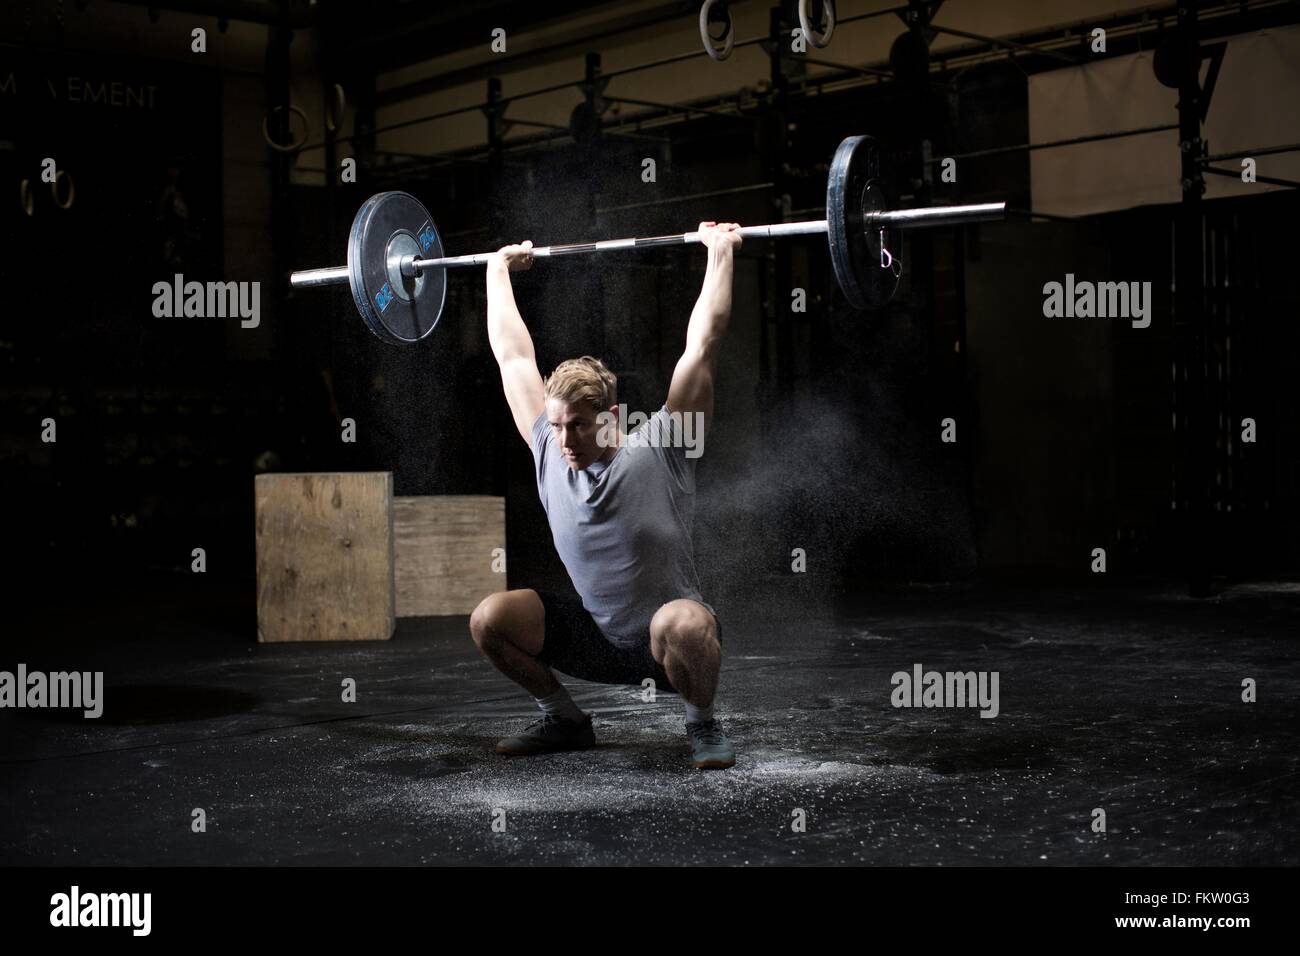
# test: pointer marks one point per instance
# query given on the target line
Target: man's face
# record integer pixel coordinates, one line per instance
(578, 430)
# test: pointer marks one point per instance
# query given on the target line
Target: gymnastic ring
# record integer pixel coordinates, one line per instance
(818, 40)
(728, 38)
(26, 199)
(294, 145)
(334, 109)
(72, 190)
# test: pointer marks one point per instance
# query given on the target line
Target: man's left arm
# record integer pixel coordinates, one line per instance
(691, 391)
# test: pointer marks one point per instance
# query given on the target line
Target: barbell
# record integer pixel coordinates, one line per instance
(397, 269)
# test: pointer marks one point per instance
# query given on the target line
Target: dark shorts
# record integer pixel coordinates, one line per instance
(574, 645)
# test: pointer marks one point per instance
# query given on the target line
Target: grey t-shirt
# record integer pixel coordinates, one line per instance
(623, 527)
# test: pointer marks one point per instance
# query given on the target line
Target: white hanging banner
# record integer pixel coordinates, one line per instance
(1256, 103)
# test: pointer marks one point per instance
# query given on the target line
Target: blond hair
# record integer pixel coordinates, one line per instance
(583, 379)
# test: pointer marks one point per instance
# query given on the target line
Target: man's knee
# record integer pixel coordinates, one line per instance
(683, 628)
(484, 618)
(507, 616)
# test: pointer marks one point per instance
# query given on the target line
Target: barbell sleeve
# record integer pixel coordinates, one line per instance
(312, 277)
(938, 215)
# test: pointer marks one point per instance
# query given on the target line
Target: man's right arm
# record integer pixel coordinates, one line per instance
(511, 343)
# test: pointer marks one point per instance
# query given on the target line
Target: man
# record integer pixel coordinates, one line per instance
(620, 507)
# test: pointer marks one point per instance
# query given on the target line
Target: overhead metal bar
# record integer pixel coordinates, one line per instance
(1250, 153)
(839, 21)
(674, 107)
(843, 67)
(1053, 144)
(443, 114)
(1236, 174)
(1006, 44)
(676, 58)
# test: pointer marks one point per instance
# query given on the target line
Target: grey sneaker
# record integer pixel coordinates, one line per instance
(709, 745)
(549, 733)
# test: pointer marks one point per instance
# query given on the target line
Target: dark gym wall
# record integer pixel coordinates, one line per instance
(1075, 416)
(141, 144)
(161, 421)
(1044, 469)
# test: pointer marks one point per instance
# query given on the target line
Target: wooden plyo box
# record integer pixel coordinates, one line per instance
(447, 546)
(325, 556)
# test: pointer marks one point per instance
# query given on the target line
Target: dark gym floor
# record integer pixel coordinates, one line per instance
(1124, 699)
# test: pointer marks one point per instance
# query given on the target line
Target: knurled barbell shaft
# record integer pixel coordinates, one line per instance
(813, 227)
(896, 218)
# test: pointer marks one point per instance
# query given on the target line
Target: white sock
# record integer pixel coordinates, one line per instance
(698, 715)
(561, 705)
